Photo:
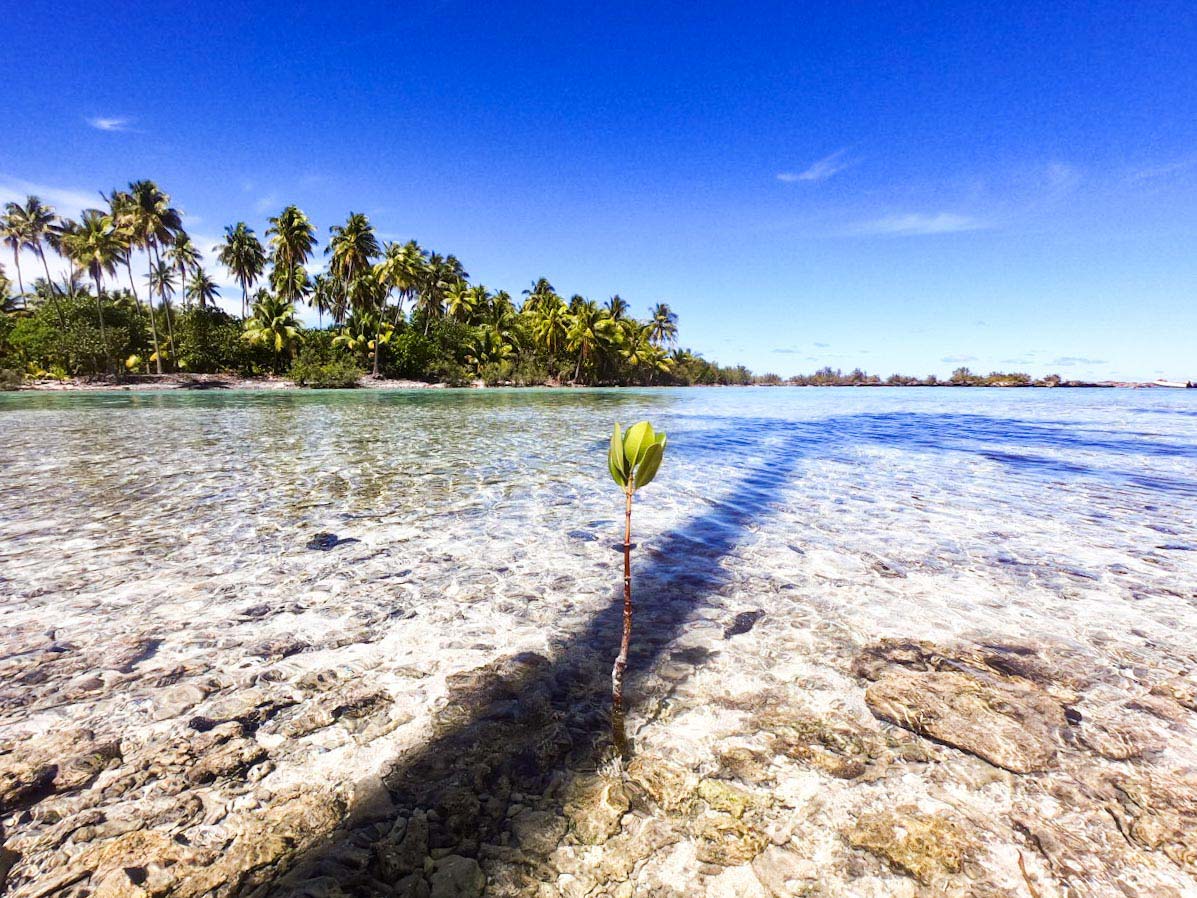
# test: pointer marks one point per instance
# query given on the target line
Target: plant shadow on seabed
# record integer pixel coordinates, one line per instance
(524, 730)
(527, 725)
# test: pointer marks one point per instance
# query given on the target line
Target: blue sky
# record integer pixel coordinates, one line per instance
(896, 186)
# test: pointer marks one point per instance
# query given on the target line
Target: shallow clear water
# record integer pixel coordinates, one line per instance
(173, 529)
(1016, 505)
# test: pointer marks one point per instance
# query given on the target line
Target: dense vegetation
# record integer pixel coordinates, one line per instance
(139, 301)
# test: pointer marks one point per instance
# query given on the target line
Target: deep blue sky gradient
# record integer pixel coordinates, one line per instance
(1005, 186)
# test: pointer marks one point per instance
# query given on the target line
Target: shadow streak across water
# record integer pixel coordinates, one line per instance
(518, 725)
(528, 724)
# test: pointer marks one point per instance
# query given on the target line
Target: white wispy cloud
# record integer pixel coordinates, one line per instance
(917, 223)
(820, 169)
(958, 359)
(115, 123)
(65, 200)
(1162, 171)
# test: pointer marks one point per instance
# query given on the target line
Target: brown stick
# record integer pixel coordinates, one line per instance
(618, 732)
(1022, 866)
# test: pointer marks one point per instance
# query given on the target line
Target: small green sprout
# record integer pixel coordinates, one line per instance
(633, 460)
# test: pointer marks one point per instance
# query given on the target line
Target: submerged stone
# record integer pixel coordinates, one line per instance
(324, 541)
(595, 806)
(926, 846)
(742, 623)
(1003, 703)
(1010, 726)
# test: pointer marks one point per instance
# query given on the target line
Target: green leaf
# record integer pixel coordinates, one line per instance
(615, 460)
(638, 438)
(652, 460)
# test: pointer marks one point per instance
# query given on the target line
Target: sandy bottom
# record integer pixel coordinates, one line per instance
(360, 645)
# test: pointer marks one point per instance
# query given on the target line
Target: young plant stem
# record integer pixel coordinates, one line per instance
(618, 731)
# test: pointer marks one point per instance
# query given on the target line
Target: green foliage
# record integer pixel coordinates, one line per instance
(634, 456)
(64, 331)
(209, 341)
(273, 328)
(411, 355)
(314, 367)
(399, 309)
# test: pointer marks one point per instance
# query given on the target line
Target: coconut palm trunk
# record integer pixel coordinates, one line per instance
(103, 332)
(170, 327)
(153, 323)
(16, 257)
(55, 298)
(618, 730)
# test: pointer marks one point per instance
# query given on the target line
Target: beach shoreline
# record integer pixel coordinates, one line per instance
(181, 381)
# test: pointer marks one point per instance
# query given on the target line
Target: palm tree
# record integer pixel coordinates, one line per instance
(500, 314)
(328, 296)
(461, 302)
(202, 289)
(662, 324)
(364, 334)
(590, 331)
(406, 269)
(161, 283)
(95, 245)
(353, 248)
(643, 355)
(244, 256)
(292, 240)
(487, 347)
(120, 205)
(273, 325)
(440, 275)
(14, 230)
(38, 222)
(146, 213)
(617, 308)
(540, 291)
(550, 322)
(35, 220)
(184, 255)
(368, 298)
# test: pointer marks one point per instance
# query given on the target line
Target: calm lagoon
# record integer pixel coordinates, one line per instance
(173, 532)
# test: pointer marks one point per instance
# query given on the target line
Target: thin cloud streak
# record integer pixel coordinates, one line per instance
(918, 223)
(1163, 171)
(101, 123)
(65, 200)
(819, 170)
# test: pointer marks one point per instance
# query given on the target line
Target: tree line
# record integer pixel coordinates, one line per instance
(137, 299)
(961, 377)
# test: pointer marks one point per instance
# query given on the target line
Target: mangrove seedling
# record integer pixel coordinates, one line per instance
(633, 459)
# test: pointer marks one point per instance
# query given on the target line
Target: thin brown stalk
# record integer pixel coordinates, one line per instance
(618, 729)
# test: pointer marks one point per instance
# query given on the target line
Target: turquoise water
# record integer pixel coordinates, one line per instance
(162, 560)
(1070, 513)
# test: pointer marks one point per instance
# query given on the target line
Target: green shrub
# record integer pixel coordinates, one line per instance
(451, 374)
(209, 342)
(312, 368)
(410, 355)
